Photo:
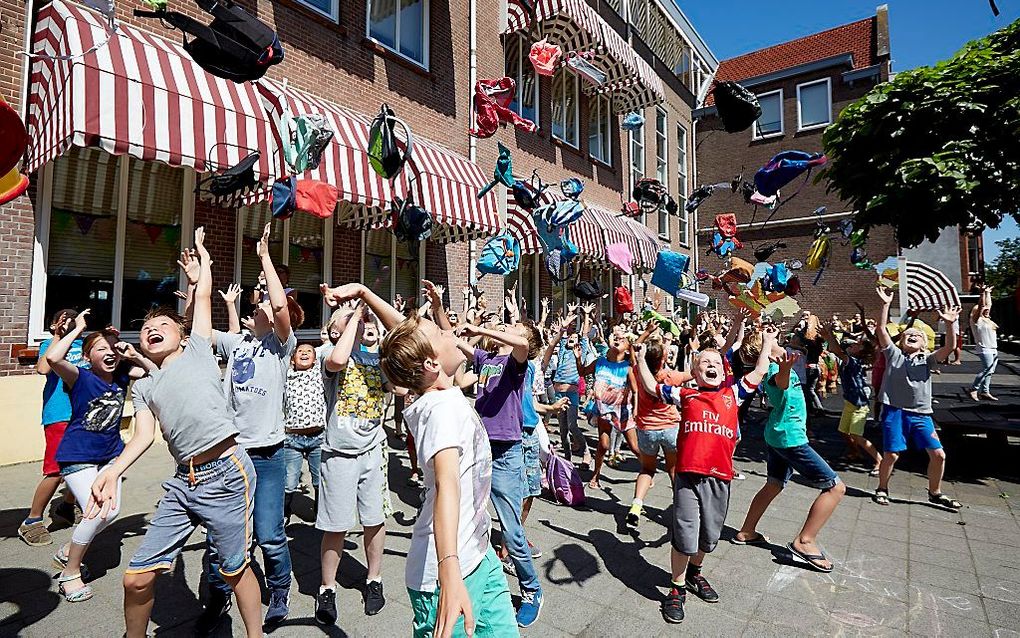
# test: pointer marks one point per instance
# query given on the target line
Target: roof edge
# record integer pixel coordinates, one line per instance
(836, 60)
(687, 28)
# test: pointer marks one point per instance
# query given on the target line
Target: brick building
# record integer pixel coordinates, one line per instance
(802, 86)
(125, 129)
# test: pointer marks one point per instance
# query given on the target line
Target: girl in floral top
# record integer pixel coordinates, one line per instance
(305, 405)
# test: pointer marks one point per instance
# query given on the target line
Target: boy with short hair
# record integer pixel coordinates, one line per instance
(56, 414)
(786, 442)
(704, 466)
(450, 550)
(215, 482)
(353, 469)
(905, 396)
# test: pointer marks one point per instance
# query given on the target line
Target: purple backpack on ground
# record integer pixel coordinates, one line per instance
(564, 481)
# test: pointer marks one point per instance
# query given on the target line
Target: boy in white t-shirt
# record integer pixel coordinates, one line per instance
(450, 548)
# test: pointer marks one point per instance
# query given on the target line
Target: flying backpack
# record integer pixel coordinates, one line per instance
(316, 198)
(284, 198)
(588, 290)
(384, 152)
(310, 135)
(526, 194)
(724, 237)
(561, 214)
(777, 277)
(502, 174)
(235, 181)
(411, 224)
(819, 253)
(699, 195)
(650, 194)
(501, 255)
(545, 57)
(13, 137)
(620, 256)
(572, 187)
(623, 302)
(763, 252)
(792, 286)
(630, 209)
(632, 121)
(235, 46)
(585, 69)
(564, 481)
(669, 271)
(492, 108)
(783, 168)
(738, 108)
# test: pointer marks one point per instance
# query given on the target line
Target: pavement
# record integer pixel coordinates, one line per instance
(909, 569)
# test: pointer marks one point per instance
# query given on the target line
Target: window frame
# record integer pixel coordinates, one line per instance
(663, 162)
(782, 124)
(363, 233)
(426, 35)
(36, 332)
(522, 59)
(682, 176)
(604, 109)
(631, 138)
(828, 95)
(558, 80)
(333, 14)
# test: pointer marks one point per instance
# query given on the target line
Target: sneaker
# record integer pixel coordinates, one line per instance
(535, 552)
(531, 607)
(700, 587)
(279, 606)
(738, 476)
(216, 609)
(673, 607)
(65, 513)
(35, 534)
(374, 599)
(508, 566)
(325, 607)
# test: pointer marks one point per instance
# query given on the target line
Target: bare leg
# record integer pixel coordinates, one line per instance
(44, 494)
(678, 566)
(819, 513)
(670, 464)
(331, 550)
(870, 449)
(759, 504)
(885, 470)
(600, 453)
(375, 540)
(936, 467)
(139, 592)
(249, 600)
(75, 553)
(526, 508)
(644, 479)
(631, 437)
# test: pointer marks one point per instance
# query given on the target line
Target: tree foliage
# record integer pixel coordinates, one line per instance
(1003, 274)
(935, 147)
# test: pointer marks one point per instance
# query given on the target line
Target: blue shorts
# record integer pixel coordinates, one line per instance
(781, 463)
(900, 427)
(649, 442)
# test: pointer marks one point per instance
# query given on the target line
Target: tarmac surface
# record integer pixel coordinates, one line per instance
(906, 569)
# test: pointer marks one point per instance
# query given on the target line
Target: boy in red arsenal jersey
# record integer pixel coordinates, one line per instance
(704, 466)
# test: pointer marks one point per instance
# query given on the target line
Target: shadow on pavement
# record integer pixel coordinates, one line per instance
(31, 598)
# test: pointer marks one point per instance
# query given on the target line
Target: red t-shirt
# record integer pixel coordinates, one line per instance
(708, 427)
(652, 412)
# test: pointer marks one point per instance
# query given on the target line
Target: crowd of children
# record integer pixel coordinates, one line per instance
(475, 391)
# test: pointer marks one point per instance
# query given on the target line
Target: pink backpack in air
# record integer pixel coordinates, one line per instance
(564, 481)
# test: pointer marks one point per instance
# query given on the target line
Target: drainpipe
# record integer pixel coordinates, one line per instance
(472, 78)
(694, 169)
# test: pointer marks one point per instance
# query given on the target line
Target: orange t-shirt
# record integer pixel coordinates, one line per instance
(652, 412)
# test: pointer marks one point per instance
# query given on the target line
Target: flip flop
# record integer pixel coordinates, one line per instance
(809, 559)
(759, 540)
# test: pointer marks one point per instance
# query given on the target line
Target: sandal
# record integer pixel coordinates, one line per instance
(76, 596)
(759, 540)
(881, 497)
(60, 562)
(944, 501)
(873, 472)
(810, 559)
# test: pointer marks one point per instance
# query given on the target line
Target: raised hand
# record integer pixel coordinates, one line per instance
(572, 309)
(884, 294)
(232, 293)
(248, 323)
(190, 265)
(588, 309)
(545, 304)
(81, 321)
(432, 292)
(336, 296)
(949, 315)
(200, 248)
(127, 351)
(262, 248)
(786, 361)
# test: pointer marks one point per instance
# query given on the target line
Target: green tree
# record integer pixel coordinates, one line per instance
(1003, 274)
(935, 147)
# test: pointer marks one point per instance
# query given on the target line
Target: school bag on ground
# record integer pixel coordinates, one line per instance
(564, 482)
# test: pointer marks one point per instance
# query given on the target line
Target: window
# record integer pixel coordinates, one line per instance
(518, 67)
(661, 166)
(771, 120)
(378, 248)
(328, 8)
(600, 122)
(401, 26)
(565, 107)
(305, 256)
(92, 231)
(681, 180)
(814, 104)
(637, 155)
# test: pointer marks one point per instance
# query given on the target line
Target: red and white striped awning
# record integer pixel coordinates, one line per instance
(521, 226)
(137, 94)
(447, 184)
(615, 229)
(929, 288)
(575, 25)
(649, 244)
(586, 232)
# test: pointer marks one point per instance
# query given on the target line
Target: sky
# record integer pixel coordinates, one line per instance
(922, 32)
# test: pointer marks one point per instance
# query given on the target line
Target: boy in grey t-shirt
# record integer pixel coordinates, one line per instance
(353, 466)
(214, 483)
(906, 401)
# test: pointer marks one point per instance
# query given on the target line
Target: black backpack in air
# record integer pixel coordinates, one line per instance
(384, 153)
(738, 108)
(234, 182)
(411, 224)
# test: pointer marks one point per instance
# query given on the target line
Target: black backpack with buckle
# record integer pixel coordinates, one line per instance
(235, 181)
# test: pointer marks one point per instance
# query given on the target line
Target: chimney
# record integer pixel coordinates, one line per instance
(882, 31)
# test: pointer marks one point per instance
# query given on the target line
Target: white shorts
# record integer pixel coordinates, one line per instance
(353, 488)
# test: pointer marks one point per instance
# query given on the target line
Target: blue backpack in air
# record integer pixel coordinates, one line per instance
(501, 255)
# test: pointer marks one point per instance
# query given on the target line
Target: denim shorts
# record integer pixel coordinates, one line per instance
(649, 442)
(220, 495)
(900, 427)
(781, 463)
(532, 464)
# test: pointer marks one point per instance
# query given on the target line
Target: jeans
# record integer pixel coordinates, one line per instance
(508, 482)
(813, 400)
(296, 449)
(568, 424)
(780, 464)
(271, 473)
(983, 380)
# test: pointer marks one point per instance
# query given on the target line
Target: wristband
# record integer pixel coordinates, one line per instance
(444, 558)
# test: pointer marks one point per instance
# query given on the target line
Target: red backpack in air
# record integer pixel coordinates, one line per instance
(622, 301)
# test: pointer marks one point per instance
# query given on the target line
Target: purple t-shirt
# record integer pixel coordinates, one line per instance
(500, 392)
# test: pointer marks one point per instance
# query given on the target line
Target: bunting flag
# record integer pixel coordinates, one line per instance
(61, 220)
(84, 222)
(172, 235)
(153, 231)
